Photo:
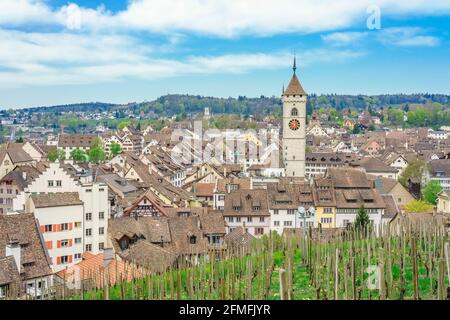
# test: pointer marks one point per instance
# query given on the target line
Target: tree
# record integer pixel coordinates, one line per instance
(56, 154)
(61, 155)
(78, 155)
(414, 169)
(418, 206)
(115, 148)
(431, 191)
(356, 129)
(96, 152)
(362, 219)
(52, 155)
(123, 124)
(96, 155)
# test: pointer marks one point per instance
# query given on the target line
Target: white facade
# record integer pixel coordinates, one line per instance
(93, 214)
(316, 130)
(438, 135)
(64, 246)
(400, 164)
(344, 216)
(281, 219)
(255, 225)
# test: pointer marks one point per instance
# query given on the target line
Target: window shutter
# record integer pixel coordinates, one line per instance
(70, 226)
(58, 244)
(58, 260)
(70, 259)
(70, 242)
(55, 228)
(49, 244)
(42, 229)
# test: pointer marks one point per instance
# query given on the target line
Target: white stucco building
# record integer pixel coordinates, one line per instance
(85, 209)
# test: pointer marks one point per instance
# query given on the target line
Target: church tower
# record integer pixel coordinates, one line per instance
(294, 127)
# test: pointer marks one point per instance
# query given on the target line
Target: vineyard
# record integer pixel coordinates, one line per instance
(406, 261)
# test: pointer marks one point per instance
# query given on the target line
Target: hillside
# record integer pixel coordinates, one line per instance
(170, 105)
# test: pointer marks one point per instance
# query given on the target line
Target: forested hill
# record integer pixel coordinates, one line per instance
(169, 105)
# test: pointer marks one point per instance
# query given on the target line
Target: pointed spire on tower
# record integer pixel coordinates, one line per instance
(295, 64)
(282, 90)
(294, 87)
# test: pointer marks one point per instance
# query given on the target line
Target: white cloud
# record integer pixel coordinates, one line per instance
(264, 17)
(33, 59)
(407, 36)
(217, 17)
(397, 36)
(343, 38)
(95, 45)
(25, 11)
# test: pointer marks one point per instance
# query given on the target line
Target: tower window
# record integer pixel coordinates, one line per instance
(294, 112)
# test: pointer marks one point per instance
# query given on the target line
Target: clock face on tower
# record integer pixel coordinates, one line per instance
(294, 124)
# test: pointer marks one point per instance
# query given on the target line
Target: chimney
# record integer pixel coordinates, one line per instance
(225, 172)
(13, 249)
(24, 175)
(251, 183)
(108, 256)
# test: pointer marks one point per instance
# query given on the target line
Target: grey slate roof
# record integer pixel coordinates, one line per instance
(58, 199)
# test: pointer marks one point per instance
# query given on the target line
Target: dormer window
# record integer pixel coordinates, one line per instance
(124, 243)
(192, 239)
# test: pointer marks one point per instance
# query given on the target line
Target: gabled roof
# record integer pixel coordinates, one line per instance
(23, 229)
(239, 237)
(92, 267)
(152, 229)
(375, 165)
(439, 168)
(348, 178)
(151, 198)
(182, 229)
(16, 155)
(391, 209)
(76, 140)
(8, 271)
(250, 202)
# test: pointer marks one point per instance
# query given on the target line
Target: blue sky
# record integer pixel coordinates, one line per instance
(58, 52)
